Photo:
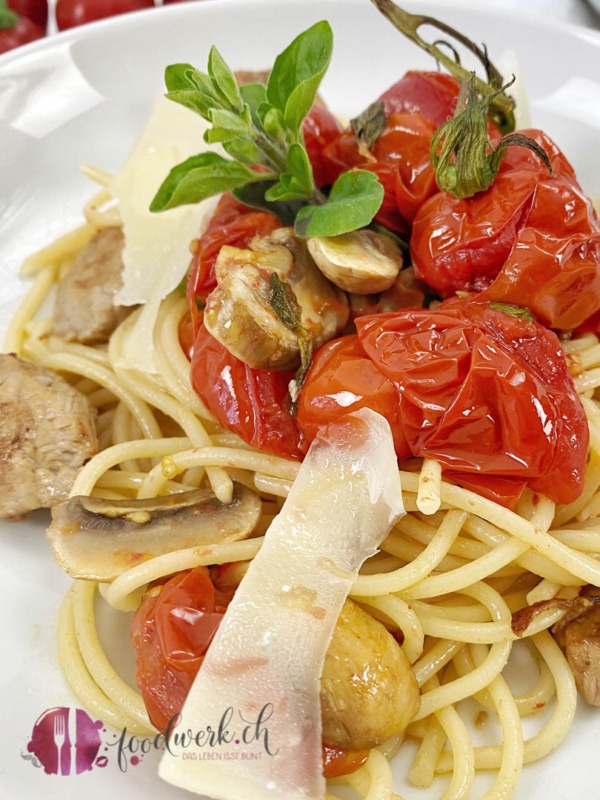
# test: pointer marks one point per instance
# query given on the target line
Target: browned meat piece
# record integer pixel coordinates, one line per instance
(47, 432)
(84, 310)
(579, 638)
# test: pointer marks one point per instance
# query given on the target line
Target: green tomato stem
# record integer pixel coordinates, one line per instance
(502, 106)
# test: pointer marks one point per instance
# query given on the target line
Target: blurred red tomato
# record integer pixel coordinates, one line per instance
(35, 10)
(16, 30)
(70, 13)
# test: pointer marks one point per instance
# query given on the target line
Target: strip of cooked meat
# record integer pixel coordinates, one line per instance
(85, 309)
(47, 432)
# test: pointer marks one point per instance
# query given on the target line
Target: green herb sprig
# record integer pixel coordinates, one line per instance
(260, 128)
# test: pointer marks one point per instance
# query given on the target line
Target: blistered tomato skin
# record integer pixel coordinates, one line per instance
(531, 238)
(254, 403)
(171, 632)
(432, 94)
(342, 379)
(484, 393)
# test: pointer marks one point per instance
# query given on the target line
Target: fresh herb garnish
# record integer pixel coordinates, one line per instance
(369, 125)
(514, 311)
(260, 128)
(464, 159)
(285, 304)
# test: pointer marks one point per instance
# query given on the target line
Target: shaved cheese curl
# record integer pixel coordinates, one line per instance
(260, 681)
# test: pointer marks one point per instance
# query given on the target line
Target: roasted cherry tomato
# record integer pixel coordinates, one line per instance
(486, 393)
(35, 10)
(70, 13)
(337, 762)
(399, 158)
(251, 402)
(342, 379)
(415, 106)
(432, 94)
(17, 32)
(171, 633)
(320, 128)
(531, 239)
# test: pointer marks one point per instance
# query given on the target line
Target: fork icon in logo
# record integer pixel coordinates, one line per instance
(65, 741)
(59, 740)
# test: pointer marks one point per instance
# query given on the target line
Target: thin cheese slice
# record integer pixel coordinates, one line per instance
(259, 686)
(157, 245)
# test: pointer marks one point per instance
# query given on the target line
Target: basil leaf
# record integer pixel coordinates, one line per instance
(244, 150)
(224, 80)
(354, 200)
(226, 125)
(272, 122)
(254, 95)
(297, 182)
(192, 89)
(253, 195)
(297, 73)
(200, 177)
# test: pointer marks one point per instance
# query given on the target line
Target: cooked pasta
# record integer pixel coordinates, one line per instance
(449, 575)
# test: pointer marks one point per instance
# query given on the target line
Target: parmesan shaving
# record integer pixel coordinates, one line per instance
(157, 246)
(258, 689)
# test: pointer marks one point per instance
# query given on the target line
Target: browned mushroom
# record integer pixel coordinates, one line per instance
(241, 312)
(578, 635)
(369, 692)
(97, 539)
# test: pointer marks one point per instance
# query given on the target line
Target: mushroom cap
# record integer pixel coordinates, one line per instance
(97, 539)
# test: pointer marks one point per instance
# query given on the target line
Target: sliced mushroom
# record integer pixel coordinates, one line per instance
(369, 692)
(241, 314)
(98, 539)
(362, 262)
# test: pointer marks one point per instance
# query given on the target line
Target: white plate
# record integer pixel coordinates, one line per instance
(83, 96)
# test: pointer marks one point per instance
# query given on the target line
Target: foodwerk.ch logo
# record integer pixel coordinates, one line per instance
(67, 741)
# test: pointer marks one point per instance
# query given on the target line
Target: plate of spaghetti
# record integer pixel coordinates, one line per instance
(300, 434)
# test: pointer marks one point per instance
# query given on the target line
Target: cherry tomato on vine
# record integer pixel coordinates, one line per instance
(531, 239)
(70, 13)
(16, 31)
(35, 10)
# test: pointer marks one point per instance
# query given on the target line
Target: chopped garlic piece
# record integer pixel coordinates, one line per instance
(262, 673)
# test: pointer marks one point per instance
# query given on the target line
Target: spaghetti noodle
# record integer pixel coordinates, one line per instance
(449, 575)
